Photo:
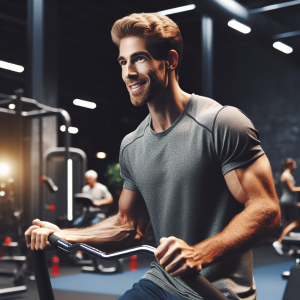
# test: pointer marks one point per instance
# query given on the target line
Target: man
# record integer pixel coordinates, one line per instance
(99, 192)
(192, 167)
(101, 198)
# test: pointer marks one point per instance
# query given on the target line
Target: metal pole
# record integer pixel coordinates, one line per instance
(207, 56)
(19, 169)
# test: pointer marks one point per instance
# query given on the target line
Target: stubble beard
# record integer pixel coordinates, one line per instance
(155, 86)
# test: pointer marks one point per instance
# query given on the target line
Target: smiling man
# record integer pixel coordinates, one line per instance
(193, 167)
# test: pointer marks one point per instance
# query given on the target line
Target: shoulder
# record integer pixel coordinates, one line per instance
(204, 110)
(100, 186)
(133, 136)
(233, 117)
(86, 188)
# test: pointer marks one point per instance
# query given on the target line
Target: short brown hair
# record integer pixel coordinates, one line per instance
(160, 33)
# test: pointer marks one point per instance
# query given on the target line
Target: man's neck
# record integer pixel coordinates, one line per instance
(167, 107)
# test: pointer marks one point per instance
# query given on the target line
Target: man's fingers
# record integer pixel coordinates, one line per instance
(39, 238)
(28, 235)
(161, 249)
(180, 269)
(169, 256)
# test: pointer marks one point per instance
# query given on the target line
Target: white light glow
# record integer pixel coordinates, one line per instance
(101, 155)
(11, 106)
(2, 193)
(70, 190)
(239, 26)
(84, 103)
(3, 169)
(72, 130)
(177, 9)
(283, 47)
(3, 185)
(11, 67)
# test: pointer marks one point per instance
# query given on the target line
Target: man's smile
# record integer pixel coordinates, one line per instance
(136, 86)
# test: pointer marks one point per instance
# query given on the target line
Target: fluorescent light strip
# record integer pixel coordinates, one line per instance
(70, 190)
(84, 103)
(239, 26)
(11, 67)
(283, 47)
(177, 9)
(72, 130)
(286, 34)
(273, 6)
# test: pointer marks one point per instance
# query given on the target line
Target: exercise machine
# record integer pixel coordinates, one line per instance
(292, 290)
(196, 281)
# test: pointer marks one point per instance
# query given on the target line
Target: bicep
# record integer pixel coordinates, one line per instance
(133, 209)
(253, 183)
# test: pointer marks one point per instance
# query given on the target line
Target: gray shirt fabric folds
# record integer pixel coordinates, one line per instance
(180, 174)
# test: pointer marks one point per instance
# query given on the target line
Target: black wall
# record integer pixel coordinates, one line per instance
(265, 84)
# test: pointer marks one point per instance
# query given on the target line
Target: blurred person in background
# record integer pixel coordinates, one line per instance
(288, 200)
(102, 198)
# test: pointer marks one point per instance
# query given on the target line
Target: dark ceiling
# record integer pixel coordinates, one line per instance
(87, 66)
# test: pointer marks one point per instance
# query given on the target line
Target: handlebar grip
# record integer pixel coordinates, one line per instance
(53, 239)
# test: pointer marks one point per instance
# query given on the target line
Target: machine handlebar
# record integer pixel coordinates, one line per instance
(196, 281)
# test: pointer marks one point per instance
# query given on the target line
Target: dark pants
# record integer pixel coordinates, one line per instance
(146, 289)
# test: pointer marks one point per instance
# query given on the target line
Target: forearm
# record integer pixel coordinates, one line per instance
(110, 235)
(103, 201)
(253, 224)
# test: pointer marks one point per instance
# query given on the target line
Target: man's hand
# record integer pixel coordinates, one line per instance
(37, 235)
(177, 257)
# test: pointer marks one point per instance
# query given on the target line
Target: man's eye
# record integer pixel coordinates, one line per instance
(139, 58)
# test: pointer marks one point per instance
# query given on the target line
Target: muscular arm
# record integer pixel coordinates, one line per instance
(252, 186)
(104, 201)
(124, 230)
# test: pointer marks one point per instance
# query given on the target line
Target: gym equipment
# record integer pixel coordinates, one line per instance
(54, 168)
(89, 212)
(196, 281)
(292, 291)
(17, 275)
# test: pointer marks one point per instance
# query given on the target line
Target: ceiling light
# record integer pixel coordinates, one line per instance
(101, 155)
(12, 106)
(283, 47)
(2, 193)
(11, 67)
(177, 9)
(3, 169)
(72, 130)
(239, 26)
(84, 103)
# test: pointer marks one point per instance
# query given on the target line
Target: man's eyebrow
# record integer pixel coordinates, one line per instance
(135, 54)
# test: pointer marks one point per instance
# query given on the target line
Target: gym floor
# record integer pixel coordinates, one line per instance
(263, 255)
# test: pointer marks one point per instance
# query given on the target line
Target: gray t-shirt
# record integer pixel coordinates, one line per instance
(180, 174)
(98, 192)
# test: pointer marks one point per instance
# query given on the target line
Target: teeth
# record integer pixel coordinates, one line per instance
(136, 85)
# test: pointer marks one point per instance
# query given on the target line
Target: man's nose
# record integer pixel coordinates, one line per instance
(131, 71)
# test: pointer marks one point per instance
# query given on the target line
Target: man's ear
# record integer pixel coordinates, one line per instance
(172, 60)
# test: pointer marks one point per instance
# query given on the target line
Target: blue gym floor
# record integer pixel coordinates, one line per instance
(72, 284)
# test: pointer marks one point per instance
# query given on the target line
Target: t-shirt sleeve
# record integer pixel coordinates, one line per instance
(236, 140)
(124, 172)
(106, 193)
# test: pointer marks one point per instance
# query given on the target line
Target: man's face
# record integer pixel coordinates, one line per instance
(144, 76)
(90, 181)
